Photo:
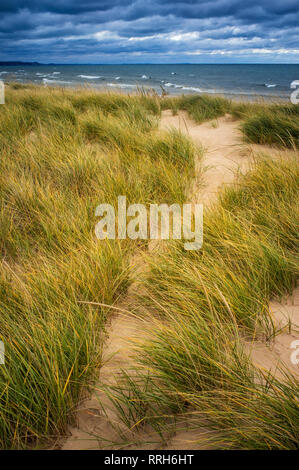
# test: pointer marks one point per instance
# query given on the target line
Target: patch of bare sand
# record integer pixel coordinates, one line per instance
(280, 352)
(98, 425)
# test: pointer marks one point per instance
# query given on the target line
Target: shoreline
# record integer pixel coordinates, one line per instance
(247, 82)
(136, 89)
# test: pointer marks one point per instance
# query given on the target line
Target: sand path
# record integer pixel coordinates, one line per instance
(224, 156)
(223, 151)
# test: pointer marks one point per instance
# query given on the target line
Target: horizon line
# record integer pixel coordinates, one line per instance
(35, 62)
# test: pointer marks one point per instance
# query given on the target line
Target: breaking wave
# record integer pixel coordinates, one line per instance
(62, 82)
(121, 85)
(90, 77)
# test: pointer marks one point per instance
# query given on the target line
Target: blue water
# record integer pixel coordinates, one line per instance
(248, 80)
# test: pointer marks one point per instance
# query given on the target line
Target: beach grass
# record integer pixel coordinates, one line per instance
(200, 108)
(194, 372)
(63, 152)
(273, 128)
(275, 124)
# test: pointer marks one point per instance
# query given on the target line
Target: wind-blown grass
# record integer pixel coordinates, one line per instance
(62, 154)
(273, 129)
(249, 250)
(200, 108)
(202, 306)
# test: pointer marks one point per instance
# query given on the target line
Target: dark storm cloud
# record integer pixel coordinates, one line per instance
(141, 30)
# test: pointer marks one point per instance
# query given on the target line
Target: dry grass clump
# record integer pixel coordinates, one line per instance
(199, 107)
(273, 128)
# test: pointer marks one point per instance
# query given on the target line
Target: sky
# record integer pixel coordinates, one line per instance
(150, 31)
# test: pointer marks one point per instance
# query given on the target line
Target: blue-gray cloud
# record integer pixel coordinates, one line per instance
(111, 31)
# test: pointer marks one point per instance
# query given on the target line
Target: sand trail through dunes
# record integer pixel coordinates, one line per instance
(223, 151)
(97, 424)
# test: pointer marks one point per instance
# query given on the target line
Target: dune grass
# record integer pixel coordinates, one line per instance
(262, 123)
(249, 250)
(272, 128)
(203, 307)
(200, 108)
(64, 152)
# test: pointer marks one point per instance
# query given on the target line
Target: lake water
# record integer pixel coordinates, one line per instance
(234, 80)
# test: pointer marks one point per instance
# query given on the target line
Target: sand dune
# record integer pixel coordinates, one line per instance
(224, 156)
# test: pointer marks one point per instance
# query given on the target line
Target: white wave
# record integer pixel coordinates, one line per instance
(89, 77)
(169, 84)
(192, 88)
(145, 77)
(270, 85)
(43, 74)
(117, 78)
(121, 85)
(178, 86)
(46, 80)
(212, 91)
(173, 73)
(55, 73)
(3, 72)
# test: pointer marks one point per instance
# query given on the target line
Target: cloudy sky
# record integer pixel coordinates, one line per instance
(150, 31)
